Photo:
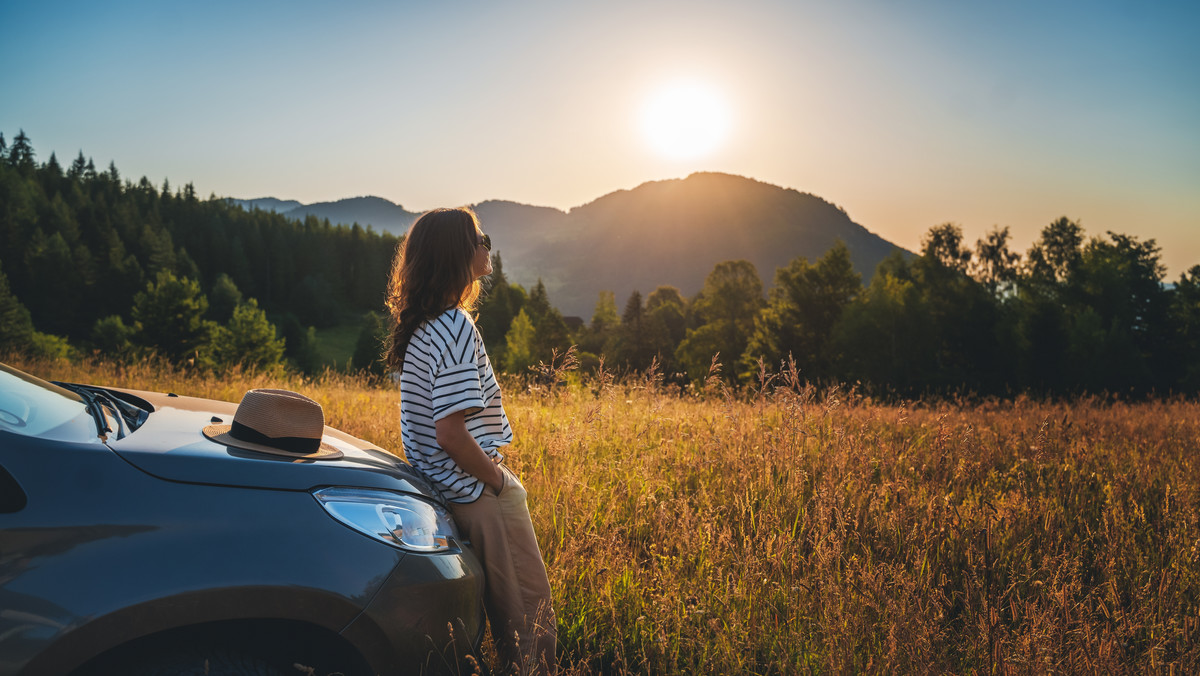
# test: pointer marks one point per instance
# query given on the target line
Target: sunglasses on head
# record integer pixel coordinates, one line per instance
(486, 242)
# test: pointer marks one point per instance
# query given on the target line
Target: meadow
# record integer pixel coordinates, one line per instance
(782, 529)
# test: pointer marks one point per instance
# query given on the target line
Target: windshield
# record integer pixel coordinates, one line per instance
(33, 407)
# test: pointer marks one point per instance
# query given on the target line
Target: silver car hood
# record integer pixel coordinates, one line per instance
(171, 446)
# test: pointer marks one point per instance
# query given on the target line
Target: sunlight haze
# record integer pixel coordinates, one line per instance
(906, 115)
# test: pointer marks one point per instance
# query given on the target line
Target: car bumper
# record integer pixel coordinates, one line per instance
(426, 618)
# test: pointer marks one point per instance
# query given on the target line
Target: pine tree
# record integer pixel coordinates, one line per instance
(169, 317)
(224, 299)
(248, 340)
(75, 173)
(20, 156)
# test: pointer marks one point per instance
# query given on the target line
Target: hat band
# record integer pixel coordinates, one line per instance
(293, 444)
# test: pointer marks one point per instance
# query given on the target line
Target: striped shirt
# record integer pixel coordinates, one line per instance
(446, 370)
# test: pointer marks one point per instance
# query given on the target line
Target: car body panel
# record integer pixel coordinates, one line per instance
(416, 595)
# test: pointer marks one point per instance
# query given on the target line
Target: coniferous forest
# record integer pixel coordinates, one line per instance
(91, 263)
(120, 267)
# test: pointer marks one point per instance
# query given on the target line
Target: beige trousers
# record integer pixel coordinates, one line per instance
(517, 592)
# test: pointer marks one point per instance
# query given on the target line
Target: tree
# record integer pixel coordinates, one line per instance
(248, 340)
(632, 341)
(1121, 319)
(1057, 252)
(880, 331)
(994, 264)
(52, 282)
(1094, 315)
(112, 338)
(806, 301)
(368, 351)
(944, 244)
(20, 155)
(1185, 318)
(519, 355)
(75, 172)
(960, 341)
(725, 307)
(550, 334)
(498, 306)
(1047, 301)
(169, 317)
(300, 343)
(224, 299)
(604, 317)
(666, 311)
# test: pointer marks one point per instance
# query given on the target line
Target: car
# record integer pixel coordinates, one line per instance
(138, 537)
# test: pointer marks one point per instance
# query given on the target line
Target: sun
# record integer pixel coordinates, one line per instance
(686, 120)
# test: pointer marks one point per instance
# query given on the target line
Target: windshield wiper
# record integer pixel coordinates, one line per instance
(96, 409)
(129, 417)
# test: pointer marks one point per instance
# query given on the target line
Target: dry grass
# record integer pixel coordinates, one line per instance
(788, 530)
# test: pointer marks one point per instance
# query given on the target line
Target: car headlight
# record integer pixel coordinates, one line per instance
(400, 520)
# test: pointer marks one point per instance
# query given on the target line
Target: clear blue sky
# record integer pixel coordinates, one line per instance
(907, 114)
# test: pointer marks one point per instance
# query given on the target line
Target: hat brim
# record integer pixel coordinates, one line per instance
(221, 435)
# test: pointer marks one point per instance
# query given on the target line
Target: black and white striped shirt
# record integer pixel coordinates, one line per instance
(446, 369)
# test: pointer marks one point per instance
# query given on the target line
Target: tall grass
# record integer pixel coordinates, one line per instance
(783, 529)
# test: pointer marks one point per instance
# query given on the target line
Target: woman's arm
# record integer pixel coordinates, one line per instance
(453, 437)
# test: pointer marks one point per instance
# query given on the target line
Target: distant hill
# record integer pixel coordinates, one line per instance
(266, 204)
(383, 215)
(673, 232)
(663, 232)
(375, 211)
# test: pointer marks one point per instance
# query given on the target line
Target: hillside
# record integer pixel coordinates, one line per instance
(674, 232)
(266, 204)
(385, 216)
(663, 232)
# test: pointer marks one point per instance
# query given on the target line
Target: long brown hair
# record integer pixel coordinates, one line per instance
(431, 273)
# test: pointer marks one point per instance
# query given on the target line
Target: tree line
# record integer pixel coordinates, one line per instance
(1073, 314)
(121, 268)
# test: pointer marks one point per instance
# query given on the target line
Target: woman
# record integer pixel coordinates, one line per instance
(454, 427)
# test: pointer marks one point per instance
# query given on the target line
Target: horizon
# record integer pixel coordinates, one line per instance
(906, 117)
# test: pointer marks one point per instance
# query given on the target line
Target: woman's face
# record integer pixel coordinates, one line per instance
(481, 264)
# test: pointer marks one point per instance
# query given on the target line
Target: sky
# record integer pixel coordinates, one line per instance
(906, 113)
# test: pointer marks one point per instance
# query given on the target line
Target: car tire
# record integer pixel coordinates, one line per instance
(215, 662)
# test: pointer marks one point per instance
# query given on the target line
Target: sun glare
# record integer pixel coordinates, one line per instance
(686, 120)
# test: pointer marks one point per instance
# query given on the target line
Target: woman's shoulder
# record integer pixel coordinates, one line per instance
(447, 325)
(455, 316)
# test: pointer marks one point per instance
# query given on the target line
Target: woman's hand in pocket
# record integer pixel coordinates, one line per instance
(497, 486)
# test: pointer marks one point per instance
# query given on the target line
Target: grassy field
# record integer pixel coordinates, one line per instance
(786, 530)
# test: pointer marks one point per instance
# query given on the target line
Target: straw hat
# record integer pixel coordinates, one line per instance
(277, 422)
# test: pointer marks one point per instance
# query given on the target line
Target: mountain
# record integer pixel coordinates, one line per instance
(266, 204)
(669, 232)
(383, 215)
(673, 233)
(374, 211)
(519, 232)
